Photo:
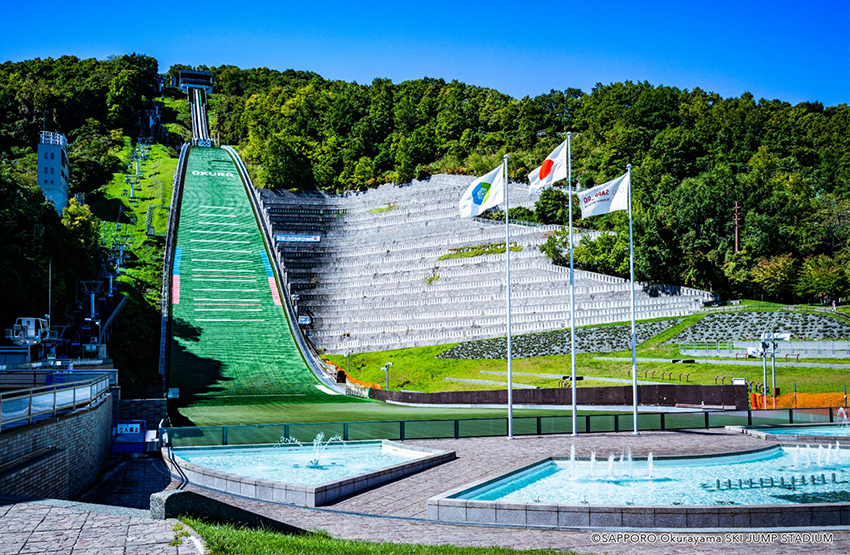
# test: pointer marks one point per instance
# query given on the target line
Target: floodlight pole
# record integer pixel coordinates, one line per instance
(773, 367)
(387, 373)
(764, 368)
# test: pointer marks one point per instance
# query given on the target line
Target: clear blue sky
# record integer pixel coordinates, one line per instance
(794, 51)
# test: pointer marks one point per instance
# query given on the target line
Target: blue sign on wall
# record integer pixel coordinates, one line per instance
(128, 436)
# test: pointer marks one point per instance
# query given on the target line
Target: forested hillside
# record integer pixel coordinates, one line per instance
(93, 102)
(695, 155)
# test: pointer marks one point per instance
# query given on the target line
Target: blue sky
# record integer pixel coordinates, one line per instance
(795, 51)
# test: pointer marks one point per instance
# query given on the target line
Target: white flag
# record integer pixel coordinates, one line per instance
(605, 198)
(483, 193)
(554, 169)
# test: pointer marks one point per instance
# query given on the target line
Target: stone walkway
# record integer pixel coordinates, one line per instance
(128, 483)
(395, 512)
(53, 527)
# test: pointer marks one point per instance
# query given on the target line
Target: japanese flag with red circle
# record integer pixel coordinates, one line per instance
(554, 169)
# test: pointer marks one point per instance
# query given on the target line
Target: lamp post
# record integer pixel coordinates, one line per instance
(387, 373)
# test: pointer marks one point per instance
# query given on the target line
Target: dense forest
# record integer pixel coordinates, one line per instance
(96, 104)
(695, 156)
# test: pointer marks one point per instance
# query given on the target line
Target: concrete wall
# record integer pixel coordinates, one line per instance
(152, 411)
(663, 395)
(73, 448)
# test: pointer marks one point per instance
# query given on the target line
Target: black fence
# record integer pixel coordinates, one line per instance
(488, 427)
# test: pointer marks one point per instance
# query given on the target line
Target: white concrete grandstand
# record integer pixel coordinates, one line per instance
(365, 271)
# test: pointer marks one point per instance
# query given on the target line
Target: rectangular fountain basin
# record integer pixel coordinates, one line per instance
(284, 473)
(771, 487)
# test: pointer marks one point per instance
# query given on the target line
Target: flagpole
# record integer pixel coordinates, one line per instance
(572, 283)
(508, 295)
(634, 337)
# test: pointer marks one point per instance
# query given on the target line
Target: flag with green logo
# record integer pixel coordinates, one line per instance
(483, 193)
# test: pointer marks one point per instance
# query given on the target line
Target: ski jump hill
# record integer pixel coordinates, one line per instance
(229, 339)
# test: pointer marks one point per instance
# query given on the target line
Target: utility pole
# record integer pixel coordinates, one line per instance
(737, 219)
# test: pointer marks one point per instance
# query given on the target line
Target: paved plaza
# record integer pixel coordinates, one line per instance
(53, 527)
(393, 512)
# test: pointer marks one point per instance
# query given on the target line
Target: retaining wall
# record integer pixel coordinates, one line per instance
(152, 411)
(661, 395)
(57, 458)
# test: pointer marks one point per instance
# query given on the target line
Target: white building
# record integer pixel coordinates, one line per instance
(53, 168)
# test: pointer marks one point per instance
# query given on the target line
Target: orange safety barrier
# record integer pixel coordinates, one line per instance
(799, 400)
(355, 381)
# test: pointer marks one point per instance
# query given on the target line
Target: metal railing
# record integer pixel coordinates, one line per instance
(22, 378)
(168, 261)
(486, 427)
(23, 406)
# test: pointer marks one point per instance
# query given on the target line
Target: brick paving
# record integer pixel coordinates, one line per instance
(53, 527)
(128, 482)
(395, 512)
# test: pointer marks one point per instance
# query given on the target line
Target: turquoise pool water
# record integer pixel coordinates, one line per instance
(293, 464)
(772, 476)
(832, 430)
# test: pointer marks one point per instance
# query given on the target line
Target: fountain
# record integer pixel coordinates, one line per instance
(808, 456)
(610, 466)
(319, 446)
(650, 465)
(572, 461)
(844, 416)
(592, 463)
(796, 462)
(631, 463)
(287, 441)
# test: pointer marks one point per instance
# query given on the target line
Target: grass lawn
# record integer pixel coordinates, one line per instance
(277, 413)
(226, 539)
(417, 369)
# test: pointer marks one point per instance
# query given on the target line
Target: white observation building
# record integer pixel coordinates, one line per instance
(53, 168)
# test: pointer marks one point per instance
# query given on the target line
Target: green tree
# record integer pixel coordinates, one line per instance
(776, 275)
(821, 277)
(552, 207)
(80, 221)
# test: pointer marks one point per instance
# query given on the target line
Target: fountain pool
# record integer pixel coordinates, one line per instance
(811, 433)
(833, 430)
(299, 474)
(571, 492)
